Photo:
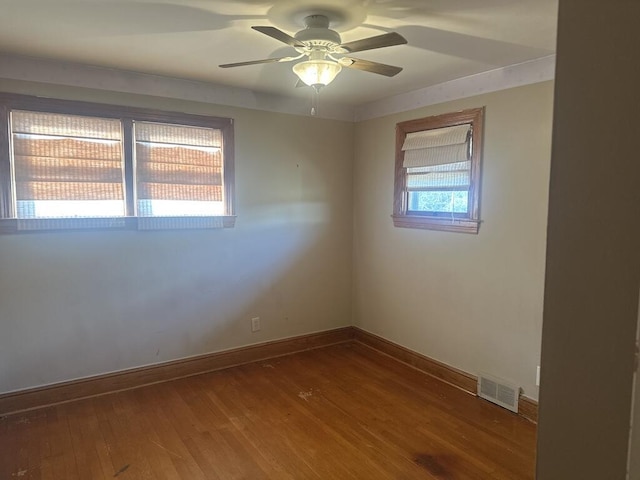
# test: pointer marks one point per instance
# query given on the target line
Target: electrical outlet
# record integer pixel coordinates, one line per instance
(255, 324)
(538, 376)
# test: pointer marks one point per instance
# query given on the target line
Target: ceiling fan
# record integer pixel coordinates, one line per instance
(326, 52)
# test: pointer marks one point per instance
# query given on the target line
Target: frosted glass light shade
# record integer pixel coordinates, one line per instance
(317, 72)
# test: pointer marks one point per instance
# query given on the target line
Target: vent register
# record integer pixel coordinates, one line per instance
(498, 391)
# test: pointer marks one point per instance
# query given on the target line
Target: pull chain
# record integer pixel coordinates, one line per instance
(315, 100)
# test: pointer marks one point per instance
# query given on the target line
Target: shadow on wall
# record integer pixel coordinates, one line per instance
(76, 304)
(81, 304)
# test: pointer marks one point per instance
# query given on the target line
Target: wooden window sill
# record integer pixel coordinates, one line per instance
(462, 225)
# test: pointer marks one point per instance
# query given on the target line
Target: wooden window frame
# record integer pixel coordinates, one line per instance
(127, 116)
(465, 223)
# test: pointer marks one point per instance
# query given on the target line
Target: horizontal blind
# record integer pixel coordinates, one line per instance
(452, 176)
(439, 189)
(438, 146)
(438, 169)
(67, 166)
(179, 170)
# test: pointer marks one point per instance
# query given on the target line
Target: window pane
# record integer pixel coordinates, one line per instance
(67, 166)
(177, 208)
(70, 208)
(439, 201)
(440, 176)
(179, 170)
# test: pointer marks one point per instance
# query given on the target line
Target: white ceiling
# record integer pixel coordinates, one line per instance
(447, 39)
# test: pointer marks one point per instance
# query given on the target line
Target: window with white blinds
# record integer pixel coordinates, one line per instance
(67, 166)
(179, 170)
(438, 172)
(101, 166)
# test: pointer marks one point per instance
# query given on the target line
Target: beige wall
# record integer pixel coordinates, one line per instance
(593, 254)
(471, 301)
(79, 304)
(634, 441)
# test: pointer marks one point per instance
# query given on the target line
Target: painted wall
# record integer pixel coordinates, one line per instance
(593, 259)
(80, 304)
(471, 301)
(634, 441)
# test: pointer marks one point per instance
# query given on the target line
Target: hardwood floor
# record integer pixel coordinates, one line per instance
(340, 412)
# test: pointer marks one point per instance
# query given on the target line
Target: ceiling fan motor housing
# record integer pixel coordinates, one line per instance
(318, 33)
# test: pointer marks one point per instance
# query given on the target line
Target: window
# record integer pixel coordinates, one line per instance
(437, 172)
(79, 165)
(66, 166)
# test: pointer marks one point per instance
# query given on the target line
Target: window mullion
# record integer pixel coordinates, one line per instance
(129, 173)
(229, 171)
(6, 196)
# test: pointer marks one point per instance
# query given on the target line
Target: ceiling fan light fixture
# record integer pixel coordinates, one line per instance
(317, 72)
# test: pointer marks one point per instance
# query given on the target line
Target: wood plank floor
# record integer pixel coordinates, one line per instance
(341, 412)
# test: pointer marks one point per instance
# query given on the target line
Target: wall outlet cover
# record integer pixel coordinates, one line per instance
(255, 324)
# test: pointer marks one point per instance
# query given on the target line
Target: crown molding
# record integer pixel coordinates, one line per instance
(14, 67)
(534, 71)
(30, 69)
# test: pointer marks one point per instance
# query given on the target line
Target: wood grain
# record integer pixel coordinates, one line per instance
(527, 407)
(446, 373)
(341, 412)
(101, 384)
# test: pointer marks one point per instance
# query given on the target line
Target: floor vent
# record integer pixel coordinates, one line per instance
(498, 391)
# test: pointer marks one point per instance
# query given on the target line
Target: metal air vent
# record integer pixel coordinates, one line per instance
(498, 391)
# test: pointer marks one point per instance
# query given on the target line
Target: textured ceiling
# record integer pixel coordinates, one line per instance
(447, 39)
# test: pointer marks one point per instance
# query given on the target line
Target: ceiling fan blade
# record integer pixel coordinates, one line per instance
(273, 32)
(256, 62)
(384, 40)
(373, 67)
